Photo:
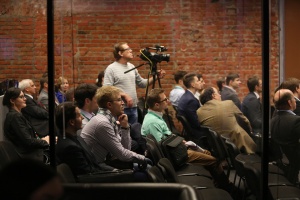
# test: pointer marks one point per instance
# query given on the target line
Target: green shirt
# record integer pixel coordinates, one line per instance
(154, 124)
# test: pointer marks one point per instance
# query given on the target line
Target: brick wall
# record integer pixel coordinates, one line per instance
(210, 38)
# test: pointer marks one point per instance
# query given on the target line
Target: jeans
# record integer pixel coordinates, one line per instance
(132, 114)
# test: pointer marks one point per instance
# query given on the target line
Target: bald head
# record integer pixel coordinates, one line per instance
(284, 100)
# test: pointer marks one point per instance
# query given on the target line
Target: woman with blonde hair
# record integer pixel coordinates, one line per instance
(61, 87)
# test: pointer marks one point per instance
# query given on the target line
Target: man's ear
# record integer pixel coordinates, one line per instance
(72, 122)
(108, 104)
(87, 101)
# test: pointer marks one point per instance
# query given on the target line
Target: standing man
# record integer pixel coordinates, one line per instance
(36, 114)
(108, 133)
(115, 76)
(188, 103)
(229, 90)
(251, 106)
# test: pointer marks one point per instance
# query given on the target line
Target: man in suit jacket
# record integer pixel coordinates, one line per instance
(285, 130)
(293, 84)
(188, 103)
(251, 106)
(226, 119)
(37, 115)
(229, 90)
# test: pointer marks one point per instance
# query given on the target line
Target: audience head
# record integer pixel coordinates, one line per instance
(284, 100)
(70, 94)
(109, 97)
(200, 78)
(191, 81)
(292, 84)
(14, 98)
(119, 49)
(220, 83)
(208, 94)
(29, 180)
(233, 80)
(254, 84)
(62, 84)
(99, 81)
(43, 84)
(157, 100)
(85, 97)
(28, 86)
(178, 76)
(68, 116)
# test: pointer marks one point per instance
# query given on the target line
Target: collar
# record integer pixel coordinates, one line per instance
(160, 114)
(231, 88)
(289, 111)
(86, 114)
(108, 115)
(190, 91)
(178, 87)
(29, 95)
(256, 94)
(297, 99)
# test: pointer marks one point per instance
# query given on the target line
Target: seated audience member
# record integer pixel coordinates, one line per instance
(72, 149)
(293, 84)
(100, 79)
(226, 119)
(178, 90)
(251, 105)
(61, 88)
(108, 133)
(285, 130)
(31, 180)
(18, 130)
(229, 90)
(197, 94)
(85, 99)
(36, 114)
(220, 83)
(188, 104)
(70, 94)
(154, 124)
(43, 98)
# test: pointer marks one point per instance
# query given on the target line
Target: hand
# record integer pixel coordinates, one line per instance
(161, 73)
(129, 100)
(123, 120)
(143, 165)
(207, 152)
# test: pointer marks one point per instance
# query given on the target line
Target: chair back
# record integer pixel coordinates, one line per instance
(153, 148)
(65, 173)
(155, 175)
(8, 153)
(168, 170)
(3, 111)
(187, 129)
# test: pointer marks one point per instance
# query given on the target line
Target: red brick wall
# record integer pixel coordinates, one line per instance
(211, 38)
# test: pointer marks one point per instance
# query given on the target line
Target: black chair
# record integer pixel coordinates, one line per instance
(65, 173)
(132, 191)
(8, 153)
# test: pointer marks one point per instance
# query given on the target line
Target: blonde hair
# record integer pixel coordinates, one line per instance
(106, 94)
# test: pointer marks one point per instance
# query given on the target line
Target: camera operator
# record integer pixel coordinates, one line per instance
(115, 76)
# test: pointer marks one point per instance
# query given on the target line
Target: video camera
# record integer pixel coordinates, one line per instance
(155, 57)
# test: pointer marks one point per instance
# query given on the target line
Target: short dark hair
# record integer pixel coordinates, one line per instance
(206, 95)
(84, 91)
(291, 84)
(43, 80)
(100, 78)
(117, 48)
(188, 79)
(252, 82)
(231, 77)
(153, 97)
(282, 102)
(64, 113)
(11, 93)
(220, 82)
(179, 75)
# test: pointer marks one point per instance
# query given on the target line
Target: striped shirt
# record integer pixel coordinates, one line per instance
(114, 75)
(103, 138)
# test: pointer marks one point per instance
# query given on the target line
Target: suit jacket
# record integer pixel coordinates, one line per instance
(225, 118)
(297, 110)
(285, 131)
(229, 94)
(37, 116)
(20, 132)
(74, 152)
(44, 99)
(251, 108)
(187, 107)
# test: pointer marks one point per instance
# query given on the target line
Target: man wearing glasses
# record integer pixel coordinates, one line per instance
(115, 76)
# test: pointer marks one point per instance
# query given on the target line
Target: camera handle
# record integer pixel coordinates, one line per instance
(135, 67)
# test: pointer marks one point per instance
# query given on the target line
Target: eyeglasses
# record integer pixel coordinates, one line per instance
(22, 97)
(119, 100)
(126, 49)
(165, 99)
